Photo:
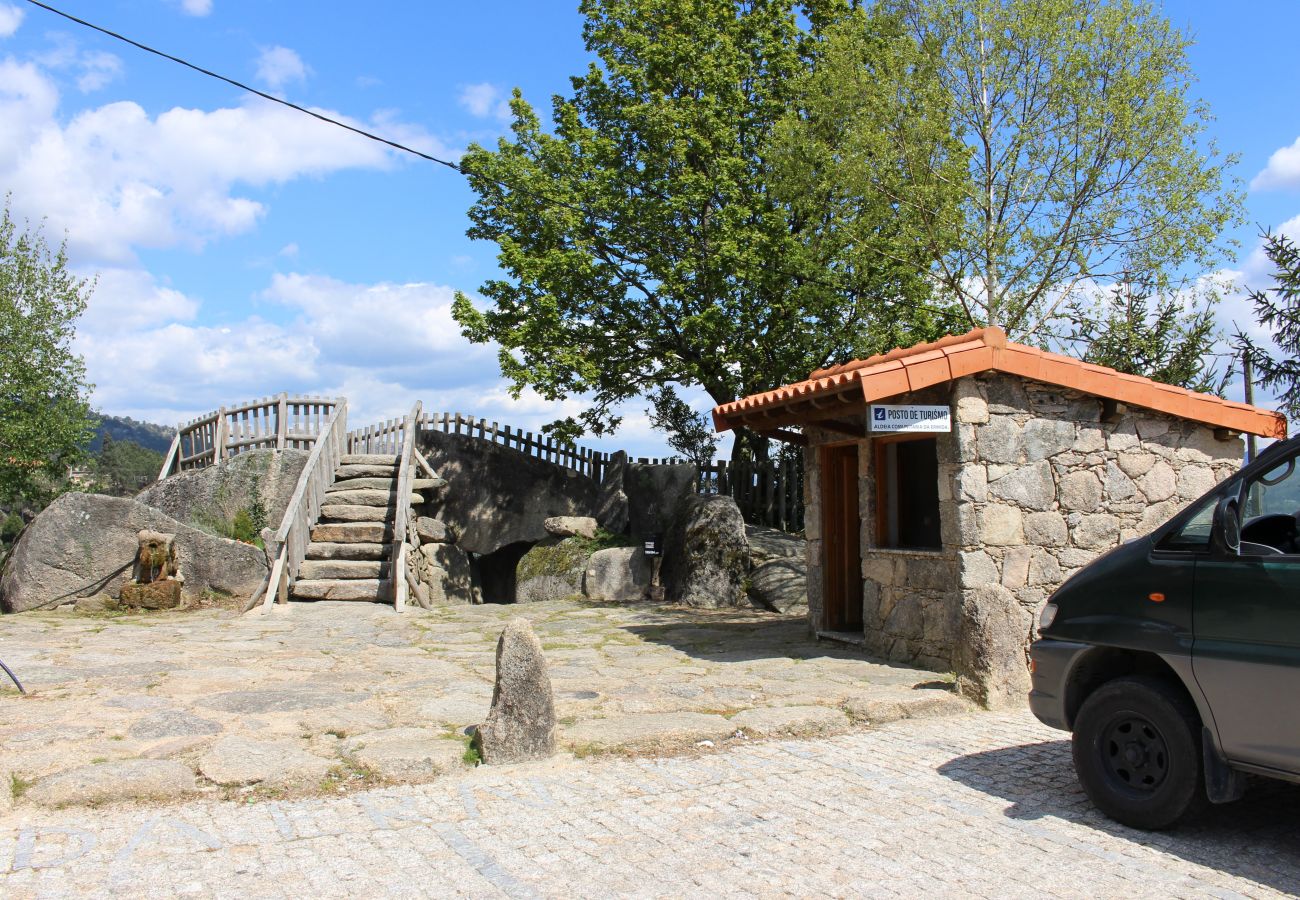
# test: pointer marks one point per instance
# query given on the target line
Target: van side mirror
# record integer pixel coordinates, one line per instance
(1227, 527)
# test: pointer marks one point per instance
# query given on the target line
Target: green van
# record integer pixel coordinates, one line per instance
(1175, 658)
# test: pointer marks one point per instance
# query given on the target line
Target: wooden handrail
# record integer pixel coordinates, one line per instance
(397, 565)
(288, 545)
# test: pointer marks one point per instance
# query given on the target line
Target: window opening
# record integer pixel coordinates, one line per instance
(907, 485)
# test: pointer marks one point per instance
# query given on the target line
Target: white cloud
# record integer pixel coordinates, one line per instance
(10, 18)
(196, 7)
(94, 69)
(484, 100)
(1282, 170)
(280, 66)
(382, 346)
(116, 179)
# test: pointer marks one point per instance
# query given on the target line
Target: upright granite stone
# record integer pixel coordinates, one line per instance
(612, 505)
(655, 495)
(521, 723)
(706, 554)
(616, 575)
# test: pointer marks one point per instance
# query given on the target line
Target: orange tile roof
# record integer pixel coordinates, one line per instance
(907, 369)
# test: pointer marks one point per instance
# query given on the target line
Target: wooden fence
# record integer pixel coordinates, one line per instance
(583, 460)
(272, 423)
(768, 492)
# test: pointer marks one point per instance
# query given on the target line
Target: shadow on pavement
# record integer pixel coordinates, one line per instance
(719, 640)
(1258, 837)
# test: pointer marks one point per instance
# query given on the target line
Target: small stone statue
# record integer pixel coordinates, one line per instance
(156, 579)
(156, 558)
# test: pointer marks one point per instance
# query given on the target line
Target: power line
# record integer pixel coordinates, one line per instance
(244, 87)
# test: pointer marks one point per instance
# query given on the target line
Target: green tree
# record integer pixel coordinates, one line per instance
(1277, 309)
(124, 467)
(1086, 157)
(1169, 341)
(45, 421)
(660, 234)
(689, 433)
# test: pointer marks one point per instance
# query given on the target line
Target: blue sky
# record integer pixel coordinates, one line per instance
(242, 249)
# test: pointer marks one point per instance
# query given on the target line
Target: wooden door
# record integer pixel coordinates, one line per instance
(841, 540)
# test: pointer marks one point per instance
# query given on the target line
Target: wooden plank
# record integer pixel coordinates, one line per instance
(281, 426)
(172, 457)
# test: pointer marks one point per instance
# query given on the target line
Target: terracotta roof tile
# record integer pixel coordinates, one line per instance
(986, 349)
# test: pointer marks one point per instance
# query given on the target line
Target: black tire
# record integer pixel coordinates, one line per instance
(1137, 752)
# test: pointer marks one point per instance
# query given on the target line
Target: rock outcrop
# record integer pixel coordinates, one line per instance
(521, 723)
(706, 554)
(551, 570)
(204, 497)
(85, 544)
(500, 496)
(616, 575)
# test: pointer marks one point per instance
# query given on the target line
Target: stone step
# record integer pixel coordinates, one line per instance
(357, 550)
(373, 590)
(345, 512)
(342, 569)
(368, 459)
(428, 484)
(361, 484)
(369, 497)
(362, 497)
(345, 532)
(365, 472)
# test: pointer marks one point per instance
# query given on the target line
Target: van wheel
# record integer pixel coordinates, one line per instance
(1137, 752)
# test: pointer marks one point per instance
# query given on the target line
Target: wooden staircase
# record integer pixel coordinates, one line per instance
(351, 550)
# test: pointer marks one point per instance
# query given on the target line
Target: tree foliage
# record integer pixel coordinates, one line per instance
(689, 433)
(1277, 309)
(45, 420)
(1085, 154)
(668, 230)
(1167, 338)
(124, 468)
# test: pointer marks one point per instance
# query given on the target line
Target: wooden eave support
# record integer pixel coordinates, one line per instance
(790, 437)
(811, 410)
(1226, 434)
(840, 427)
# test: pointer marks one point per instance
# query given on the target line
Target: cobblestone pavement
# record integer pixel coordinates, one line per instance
(976, 805)
(313, 692)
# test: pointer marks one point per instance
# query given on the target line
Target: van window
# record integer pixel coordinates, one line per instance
(1195, 533)
(1276, 491)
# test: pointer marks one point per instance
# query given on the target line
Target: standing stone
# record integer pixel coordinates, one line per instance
(706, 554)
(616, 575)
(655, 494)
(612, 503)
(521, 723)
(991, 665)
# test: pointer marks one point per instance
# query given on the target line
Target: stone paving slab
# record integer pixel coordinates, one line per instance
(316, 681)
(979, 805)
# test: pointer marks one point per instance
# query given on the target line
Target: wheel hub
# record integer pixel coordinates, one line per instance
(1135, 754)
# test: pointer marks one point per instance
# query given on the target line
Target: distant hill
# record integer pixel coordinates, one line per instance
(124, 428)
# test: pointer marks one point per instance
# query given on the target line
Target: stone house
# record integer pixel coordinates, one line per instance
(951, 487)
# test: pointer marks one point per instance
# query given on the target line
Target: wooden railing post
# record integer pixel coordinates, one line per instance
(282, 422)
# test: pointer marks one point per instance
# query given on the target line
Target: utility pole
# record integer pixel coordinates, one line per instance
(1247, 371)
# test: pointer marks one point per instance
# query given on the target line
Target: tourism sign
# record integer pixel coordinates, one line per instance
(909, 419)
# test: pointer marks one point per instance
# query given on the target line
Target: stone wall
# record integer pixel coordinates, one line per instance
(1033, 486)
(1043, 487)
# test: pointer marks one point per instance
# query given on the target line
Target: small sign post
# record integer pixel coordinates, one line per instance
(885, 418)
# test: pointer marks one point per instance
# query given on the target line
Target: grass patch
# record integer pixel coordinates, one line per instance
(18, 785)
(471, 756)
